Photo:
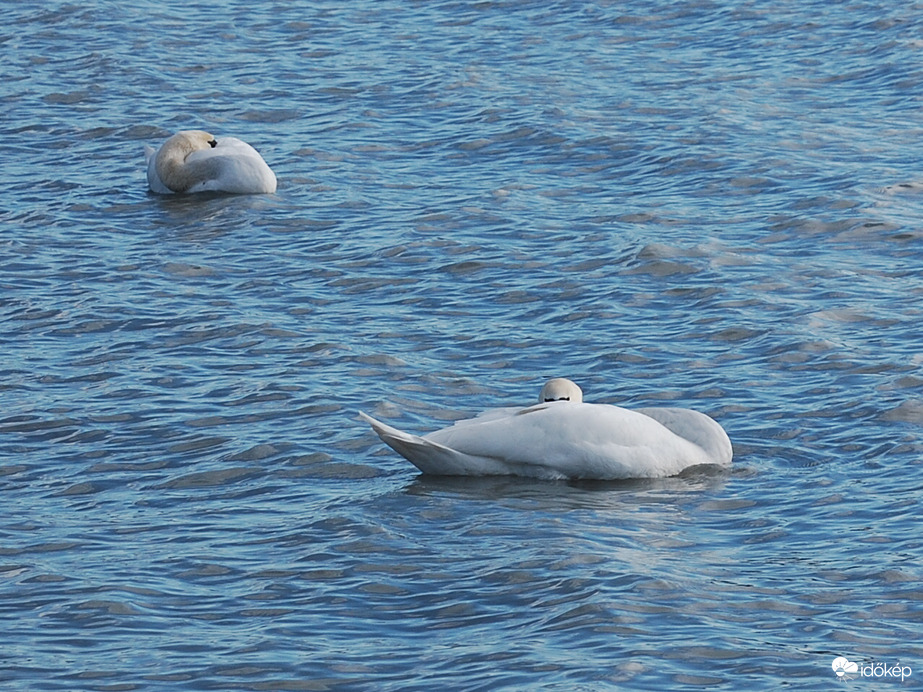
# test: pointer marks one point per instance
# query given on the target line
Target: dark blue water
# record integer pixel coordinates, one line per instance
(710, 205)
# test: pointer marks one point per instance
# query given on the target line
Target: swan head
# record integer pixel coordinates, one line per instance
(167, 171)
(561, 389)
(191, 140)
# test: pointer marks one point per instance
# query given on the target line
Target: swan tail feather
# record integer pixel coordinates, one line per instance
(428, 456)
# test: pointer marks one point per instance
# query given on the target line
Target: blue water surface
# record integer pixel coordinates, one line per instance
(712, 205)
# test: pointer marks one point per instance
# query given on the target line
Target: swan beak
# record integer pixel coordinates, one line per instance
(213, 143)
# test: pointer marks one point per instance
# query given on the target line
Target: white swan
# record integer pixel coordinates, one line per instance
(194, 161)
(562, 437)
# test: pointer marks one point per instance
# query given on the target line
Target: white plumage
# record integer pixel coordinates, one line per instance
(194, 161)
(562, 437)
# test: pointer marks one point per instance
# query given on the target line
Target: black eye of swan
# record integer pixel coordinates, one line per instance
(213, 143)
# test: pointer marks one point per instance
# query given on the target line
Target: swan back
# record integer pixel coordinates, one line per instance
(576, 440)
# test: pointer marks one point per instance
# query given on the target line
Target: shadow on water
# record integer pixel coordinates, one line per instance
(571, 494)
(207, 214)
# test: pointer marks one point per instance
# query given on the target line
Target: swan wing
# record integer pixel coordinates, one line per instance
(698, 428)
(238, 147)
(233, 166)
(567, 440)
(489, 414)
(570, 440)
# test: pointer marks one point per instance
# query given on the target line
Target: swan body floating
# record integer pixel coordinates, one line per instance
(194, 161)
(562, 437)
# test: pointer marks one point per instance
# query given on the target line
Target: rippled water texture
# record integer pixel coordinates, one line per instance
(710, 204)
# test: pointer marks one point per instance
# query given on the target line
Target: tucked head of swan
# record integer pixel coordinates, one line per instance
(171, 158)
(190, 140)
(561, 389)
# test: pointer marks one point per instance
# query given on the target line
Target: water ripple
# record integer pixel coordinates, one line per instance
(676, 204)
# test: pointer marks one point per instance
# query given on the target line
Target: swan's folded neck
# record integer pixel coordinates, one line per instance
(175, 172)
